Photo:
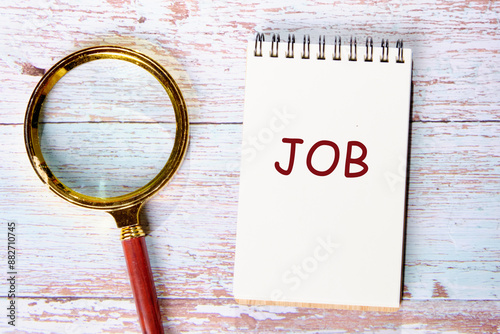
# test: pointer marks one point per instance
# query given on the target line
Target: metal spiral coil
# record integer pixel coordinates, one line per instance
(258, 45)
(384, 58)
(337, 48)
(399, 45)
(369, 49)
(353, 56)
(321, 44)
(307, 40)
(291, 42)
(275, 41)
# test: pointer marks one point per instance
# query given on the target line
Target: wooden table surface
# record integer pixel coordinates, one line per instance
(71, 272)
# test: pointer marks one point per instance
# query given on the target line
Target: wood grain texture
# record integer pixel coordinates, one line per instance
(142, 284)
(451, 249)
(68, 284)
(49, 315)
(455, 46)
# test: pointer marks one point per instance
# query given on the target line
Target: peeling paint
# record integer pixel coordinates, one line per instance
(30, 69)
(439, 291)
(236, 311)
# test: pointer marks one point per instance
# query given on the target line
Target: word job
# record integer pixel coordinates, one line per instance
(348, 161)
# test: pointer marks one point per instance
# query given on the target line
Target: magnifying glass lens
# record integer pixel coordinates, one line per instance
(106, 128)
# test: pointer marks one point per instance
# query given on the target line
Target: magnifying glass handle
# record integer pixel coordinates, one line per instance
(143, 287)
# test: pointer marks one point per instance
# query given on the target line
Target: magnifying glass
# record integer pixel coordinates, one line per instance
(68, 175)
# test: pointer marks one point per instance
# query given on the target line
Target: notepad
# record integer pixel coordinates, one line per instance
(323, 174)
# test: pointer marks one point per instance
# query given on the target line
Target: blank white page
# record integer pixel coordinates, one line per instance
(330, 232)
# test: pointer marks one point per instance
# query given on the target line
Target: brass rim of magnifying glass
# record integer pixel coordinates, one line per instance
(48, 81)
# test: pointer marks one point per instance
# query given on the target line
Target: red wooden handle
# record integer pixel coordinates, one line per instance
(143, 287)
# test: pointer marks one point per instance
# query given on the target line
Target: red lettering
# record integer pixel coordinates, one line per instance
(349, 160)
(358, 161)
(293, 142)
(335, 159)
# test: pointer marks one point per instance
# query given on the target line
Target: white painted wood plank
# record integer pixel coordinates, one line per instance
(75, 315)
(452, 231)
(455, 45)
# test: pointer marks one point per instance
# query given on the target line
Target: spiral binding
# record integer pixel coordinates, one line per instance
(321, 54)
(336, 50)
(304, 54)
(384, 58)
(369, 49)
(258, 45)
(275, 41)
(291, 42)
(399, 46)
(306, 49)
(353, 56)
